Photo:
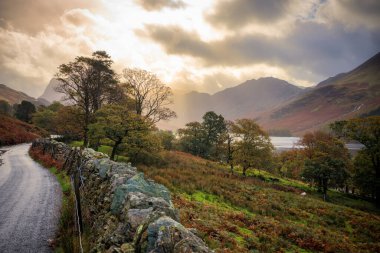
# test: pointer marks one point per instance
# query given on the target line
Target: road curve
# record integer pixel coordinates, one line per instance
(30, 200)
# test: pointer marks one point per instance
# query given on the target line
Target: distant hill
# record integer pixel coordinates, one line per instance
(50, 94)
(14, 131)
(15, 97)
(250, 98)
(346, 95)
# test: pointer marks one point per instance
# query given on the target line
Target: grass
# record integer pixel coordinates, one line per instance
(259, 214)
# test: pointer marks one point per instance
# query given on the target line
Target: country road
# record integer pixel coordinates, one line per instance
(30, 199)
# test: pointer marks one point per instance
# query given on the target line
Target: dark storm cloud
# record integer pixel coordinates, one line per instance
(238, 13)
(311, 47)
(32, 16)
(154, 5)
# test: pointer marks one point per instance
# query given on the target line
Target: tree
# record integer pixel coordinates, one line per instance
(204, 139)
(292, 163)
(68, 123)
(192, 138)
(213, 127)
(367, 132)
(45, 117)
(88, 82)
(167, 138)
(116, 122)
(328, 161)
(5, 107)
(253, 146)
(226, 145)
(151, 97)
(143, 147)
(24, 111)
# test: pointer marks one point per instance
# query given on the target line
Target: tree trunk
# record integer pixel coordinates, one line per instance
(114, 148)
(86, 123)
(85, 137)
(244, 171)
(324, 189)
(232, 168)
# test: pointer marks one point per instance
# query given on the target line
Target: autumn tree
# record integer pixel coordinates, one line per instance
(328, 162)
(253, 146)
(150, 96)
(68, 122)
(116, 122)
(367, 132)
(292, 163)
(88, 82)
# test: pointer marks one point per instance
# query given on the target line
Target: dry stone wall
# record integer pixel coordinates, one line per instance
(122, 211)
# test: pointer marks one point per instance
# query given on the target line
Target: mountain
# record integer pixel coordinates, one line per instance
(15, 97)
(346, 95)
(50, 94)
(250, 98)
(254, 97)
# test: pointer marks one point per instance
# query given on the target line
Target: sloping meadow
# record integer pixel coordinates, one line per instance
(237, 214)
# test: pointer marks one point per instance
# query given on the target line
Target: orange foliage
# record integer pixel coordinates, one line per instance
(13, 131)
(44, 158)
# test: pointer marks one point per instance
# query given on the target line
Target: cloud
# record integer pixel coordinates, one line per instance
(311, 49)
(233, 14)
(238, 14)
(155, 5)
(33, 16)
(351, 13)
(28, 62)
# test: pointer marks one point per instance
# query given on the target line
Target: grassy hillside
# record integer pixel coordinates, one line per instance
(263, 213)
(13, 131)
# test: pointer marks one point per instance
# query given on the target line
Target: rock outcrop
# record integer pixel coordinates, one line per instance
(122, 211)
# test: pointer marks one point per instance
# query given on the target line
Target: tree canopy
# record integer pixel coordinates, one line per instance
(328, 162)
(253, 146)
(88, 82)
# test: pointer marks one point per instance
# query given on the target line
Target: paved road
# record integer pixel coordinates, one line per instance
(30, 199)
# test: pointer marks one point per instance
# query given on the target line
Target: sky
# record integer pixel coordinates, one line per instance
(202, 45)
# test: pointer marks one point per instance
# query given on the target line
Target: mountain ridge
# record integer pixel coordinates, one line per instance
(13, 96)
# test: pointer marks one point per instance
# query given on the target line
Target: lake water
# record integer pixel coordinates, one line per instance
(285, 143)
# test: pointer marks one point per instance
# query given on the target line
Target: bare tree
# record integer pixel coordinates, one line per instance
(150, 96)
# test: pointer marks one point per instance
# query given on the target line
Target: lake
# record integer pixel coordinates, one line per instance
(286, 143)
